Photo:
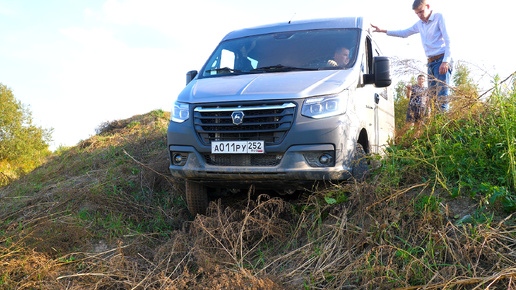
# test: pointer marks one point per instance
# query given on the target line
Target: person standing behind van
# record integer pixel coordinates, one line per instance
(436, 43)
(417, 96)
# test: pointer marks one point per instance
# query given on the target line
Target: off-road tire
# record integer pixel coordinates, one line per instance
(360, 165)
(196, 197)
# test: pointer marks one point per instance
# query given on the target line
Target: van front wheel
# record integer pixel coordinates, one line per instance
(359, 167)
(196, 197)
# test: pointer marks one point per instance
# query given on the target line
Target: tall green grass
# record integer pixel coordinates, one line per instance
(469, 150)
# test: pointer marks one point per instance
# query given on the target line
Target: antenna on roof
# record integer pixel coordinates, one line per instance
(292, 18)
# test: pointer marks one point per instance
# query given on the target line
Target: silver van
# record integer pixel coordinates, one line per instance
(282, 106)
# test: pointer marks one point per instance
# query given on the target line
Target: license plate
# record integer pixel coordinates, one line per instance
(237, 147)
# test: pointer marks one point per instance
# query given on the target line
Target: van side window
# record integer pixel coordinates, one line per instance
(369, 56)
(227, 59)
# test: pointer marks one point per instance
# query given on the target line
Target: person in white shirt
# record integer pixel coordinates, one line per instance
(436, 43)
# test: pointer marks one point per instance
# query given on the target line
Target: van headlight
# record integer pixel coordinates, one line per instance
(180, 112)
(323, 107)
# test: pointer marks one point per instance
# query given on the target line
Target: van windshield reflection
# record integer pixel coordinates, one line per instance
(327, 49)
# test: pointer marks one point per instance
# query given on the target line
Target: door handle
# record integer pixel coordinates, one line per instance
(376, 98)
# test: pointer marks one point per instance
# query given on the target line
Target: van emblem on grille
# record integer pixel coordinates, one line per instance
(238, 117)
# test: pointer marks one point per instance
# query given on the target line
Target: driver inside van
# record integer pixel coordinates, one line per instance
(340, 58)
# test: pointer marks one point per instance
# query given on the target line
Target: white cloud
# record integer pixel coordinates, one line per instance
(103, 79)
(96, 38)
(154, 13)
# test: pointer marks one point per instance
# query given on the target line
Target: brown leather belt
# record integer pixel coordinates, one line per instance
(433, 58)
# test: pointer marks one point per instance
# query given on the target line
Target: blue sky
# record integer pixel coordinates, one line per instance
(78, 63)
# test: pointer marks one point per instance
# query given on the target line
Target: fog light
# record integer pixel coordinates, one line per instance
(325, 159)
(320, 159)
(179, 158)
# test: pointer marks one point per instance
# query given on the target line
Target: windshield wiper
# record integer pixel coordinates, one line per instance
(224, 70)
(280, 67)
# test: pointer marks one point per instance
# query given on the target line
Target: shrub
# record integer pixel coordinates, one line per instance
(23, 145)
(470, 150)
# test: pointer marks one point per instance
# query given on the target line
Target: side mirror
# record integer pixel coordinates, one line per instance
(381, 76)
(190, 76)
(382, 72)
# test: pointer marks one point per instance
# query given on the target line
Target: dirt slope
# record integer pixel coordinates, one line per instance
(105, 214)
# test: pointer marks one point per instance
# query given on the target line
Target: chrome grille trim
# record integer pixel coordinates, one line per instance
(269, 122)
(243, 108)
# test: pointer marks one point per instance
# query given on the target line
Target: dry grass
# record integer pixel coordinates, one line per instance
(104, 215)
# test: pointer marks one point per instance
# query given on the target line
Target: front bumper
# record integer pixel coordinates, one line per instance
(293, 169)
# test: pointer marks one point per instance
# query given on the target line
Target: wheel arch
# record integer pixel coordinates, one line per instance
(363, 139)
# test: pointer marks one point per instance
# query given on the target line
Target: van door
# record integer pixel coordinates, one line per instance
(383, 106)
(372, 99)
(379, 101)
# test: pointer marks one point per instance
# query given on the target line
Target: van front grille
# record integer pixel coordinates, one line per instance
(267, 122)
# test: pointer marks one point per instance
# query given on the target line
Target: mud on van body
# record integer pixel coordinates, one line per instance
(271, 107)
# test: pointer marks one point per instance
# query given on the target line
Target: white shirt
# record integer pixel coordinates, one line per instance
(433, 35)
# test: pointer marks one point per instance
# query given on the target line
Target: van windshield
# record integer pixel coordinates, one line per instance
(285, 51)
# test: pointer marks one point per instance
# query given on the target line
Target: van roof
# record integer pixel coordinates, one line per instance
(326, 23)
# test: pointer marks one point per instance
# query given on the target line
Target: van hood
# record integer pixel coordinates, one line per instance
(267, 86)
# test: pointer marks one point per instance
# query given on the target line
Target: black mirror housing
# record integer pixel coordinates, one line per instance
(190, 76)
(382, 72)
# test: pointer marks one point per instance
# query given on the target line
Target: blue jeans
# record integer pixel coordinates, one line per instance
(438, 85)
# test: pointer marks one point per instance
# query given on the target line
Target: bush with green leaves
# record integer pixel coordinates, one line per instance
(471, 152)
(23, 145)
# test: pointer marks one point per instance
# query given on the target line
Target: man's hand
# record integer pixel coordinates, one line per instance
(409, 91)
(331, 62)
(444, 68)
(377, 29)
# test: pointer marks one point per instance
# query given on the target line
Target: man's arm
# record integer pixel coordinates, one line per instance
(398, 33)
(409, 91)
(377, 29)
(445, 66)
